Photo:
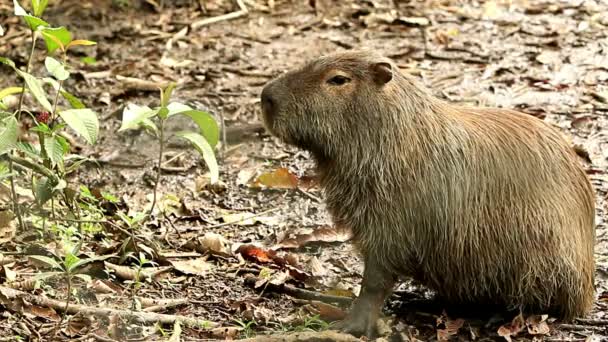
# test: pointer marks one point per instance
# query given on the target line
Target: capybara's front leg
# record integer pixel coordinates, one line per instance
(375, 287)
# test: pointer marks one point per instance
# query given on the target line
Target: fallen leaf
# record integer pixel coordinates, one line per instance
(43, 312)
(215, 244)
(513, 328)
(198, 266)
(316, 268)
(537, 325)
(321, 234)
(451, 327)
(326, 312)
(280, 178)
(7, 226)
(254, 253)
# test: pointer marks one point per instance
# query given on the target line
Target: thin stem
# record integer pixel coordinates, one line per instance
(27, 69)
(15, 200)
(16, 208)
(159, 168)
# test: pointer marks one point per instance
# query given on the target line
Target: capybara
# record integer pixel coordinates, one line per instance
(482, 205)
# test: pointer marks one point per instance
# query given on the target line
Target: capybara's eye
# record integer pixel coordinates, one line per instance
(338, 80)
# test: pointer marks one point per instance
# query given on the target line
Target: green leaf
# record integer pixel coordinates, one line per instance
(54, 149)
(88, 60)
(35, 87)
(206, 123)
(51, 81)
(10, 91)
(34, 23)
(166, 95)
(73, 100)
(84, 121)
(39, 6)
(163, 112)
(7, 61)
(55, 68)
(56, 38)
(43, 190)
(8, 134)
(70, 260)
(109, 197)
(133, 115)
(29, 150)
(149, 125)
(200, 143)
(49, 261)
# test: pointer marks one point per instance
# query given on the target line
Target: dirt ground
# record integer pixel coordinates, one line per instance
(545, 58)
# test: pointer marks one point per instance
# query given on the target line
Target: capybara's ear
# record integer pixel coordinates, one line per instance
(382, 72)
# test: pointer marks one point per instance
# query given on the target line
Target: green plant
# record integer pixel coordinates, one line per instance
(247, 327)
(135, 116)
(142, 261)
(50, 161)
(68, 267)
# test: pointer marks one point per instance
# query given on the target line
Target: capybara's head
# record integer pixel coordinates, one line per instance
(330, 99)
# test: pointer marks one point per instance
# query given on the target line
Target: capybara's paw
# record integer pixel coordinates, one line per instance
(358, 325)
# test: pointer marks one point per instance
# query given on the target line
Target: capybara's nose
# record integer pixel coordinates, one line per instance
(268, 103)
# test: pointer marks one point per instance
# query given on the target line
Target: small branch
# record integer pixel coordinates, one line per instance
(299, 293)
(581, 327)
(229, 16)
(307, 336)
(34, 167)
(15, 299)
(590, 321)
(16, 208)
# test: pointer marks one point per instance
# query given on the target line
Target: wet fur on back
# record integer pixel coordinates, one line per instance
(480, 204)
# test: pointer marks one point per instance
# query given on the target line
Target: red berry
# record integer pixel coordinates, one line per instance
(43, 117)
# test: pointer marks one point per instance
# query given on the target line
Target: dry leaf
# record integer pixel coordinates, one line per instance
(198, 266)
(316, 268)
(513, 328)
(322, 234)
(451, 327)
(280, 178)
(44, 312)
(215, 244)
(537, 325)
(7, 226)
(326, 312)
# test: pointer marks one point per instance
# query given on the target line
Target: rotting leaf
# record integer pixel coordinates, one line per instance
(257, 254)
(280, 178)
(322, 234)
(451, 327)
(513, 328)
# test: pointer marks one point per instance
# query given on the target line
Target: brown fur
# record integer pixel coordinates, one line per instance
(482, 205)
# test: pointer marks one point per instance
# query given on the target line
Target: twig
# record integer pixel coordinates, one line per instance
(16, 208)
(14, 299)
(229, 16)
(299, 293)
(307, 336)
(581, 327)
(34, 167)
(590, 321)
(245, 217)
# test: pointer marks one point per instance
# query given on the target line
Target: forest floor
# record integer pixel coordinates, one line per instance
(545, 58)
